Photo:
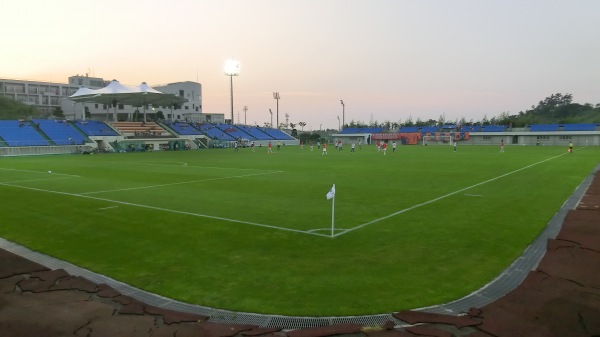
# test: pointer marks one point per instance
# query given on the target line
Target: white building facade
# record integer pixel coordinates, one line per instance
(47, 96)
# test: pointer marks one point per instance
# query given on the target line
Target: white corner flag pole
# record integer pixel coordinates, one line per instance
(331, 195)
(333, 215)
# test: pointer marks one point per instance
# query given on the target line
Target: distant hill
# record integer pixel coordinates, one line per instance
(11, 109)
(555, 109)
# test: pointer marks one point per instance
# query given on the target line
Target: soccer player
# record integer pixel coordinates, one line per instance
(454, 146)
(352, 148)
(393, 146)
(570, 147)
(324, 150)
(270, 148)
(501, 145)
(384, 146)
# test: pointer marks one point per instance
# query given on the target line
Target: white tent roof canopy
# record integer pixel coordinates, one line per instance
(116, 92)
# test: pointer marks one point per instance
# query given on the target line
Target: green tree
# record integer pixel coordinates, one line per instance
(58, 112)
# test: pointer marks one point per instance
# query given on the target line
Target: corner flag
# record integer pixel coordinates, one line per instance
(331, 192)
(331, 195)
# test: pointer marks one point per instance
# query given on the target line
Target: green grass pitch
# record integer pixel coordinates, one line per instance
(248, 231)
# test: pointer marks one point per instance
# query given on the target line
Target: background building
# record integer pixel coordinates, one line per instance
(48, 96)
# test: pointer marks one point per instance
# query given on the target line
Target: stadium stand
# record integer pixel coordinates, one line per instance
(214, 132)
(21, 133)
(277, 134)
(493, 128)
(140, 129)
(543, 127)
(60, 132)
(95, 128)
(449, 127)
(183, 128)
(361, 130)
(255, 132)
(408, 129)
(427, 129)
(579, 127)
(234, 132)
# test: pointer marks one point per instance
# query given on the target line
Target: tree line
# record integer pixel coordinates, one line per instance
(555, 109)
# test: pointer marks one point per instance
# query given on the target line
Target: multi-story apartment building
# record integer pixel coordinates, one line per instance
(47, 96)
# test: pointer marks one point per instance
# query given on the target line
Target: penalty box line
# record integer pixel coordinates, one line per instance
(444, 196)
(168, 210)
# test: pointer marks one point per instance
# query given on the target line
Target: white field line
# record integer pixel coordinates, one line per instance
(444, 196)
(188, 166)
(109, 207)
(40, 172)
(30, 180)
(179, 183)
(168, 210)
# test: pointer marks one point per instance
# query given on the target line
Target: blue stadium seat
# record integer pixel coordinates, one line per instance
(255, 132)
(579, 127)
(277, 134)
(408, 129)
(493, 128)
(95, 128)
(183, 128)
(60, 132)
(20, 133)
(429, 129)
(234, 131)
(543, 127)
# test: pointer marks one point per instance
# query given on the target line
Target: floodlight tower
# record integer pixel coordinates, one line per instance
(343, 113)
(232, 68)
(271, 112)
(276, 96)
(245, 110)
(339, 127)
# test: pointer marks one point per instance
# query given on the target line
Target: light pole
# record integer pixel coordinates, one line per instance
(232, 68)
(320, 126)
(271, 112)
(276, 96)
(245, 110)
(339, 127)
(343, 113)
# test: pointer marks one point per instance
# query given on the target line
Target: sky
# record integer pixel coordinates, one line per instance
(388, 60)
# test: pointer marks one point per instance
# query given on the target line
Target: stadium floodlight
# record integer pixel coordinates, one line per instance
(343, 113)
(271, 112)
(232, 68)
(276, 96)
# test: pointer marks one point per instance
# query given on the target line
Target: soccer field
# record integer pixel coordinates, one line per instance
(251, 231)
